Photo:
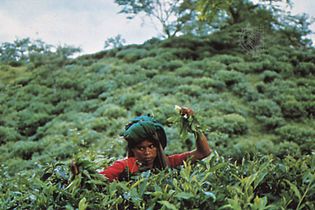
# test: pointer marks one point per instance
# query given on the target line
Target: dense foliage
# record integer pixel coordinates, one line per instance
(61, 119)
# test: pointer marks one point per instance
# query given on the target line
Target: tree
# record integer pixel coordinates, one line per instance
(264, 14)
(21, 51)
(114, 42)
(165, 12)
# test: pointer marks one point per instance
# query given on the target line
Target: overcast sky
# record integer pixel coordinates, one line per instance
(83, 23)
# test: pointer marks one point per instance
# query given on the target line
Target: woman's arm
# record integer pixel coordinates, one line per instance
(202, 147)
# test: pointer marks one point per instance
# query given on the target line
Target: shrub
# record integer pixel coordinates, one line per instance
(100, 68)
(150, 63)
(185, 54)
(63, 106)
(302, 136)
(171, 65)
(280, 52)
(56, 127)
(266, 107)
(230, 78)
(131, 55)
(292, 109)
(100, 124)
(190, 90)
(268, 113)
(302, 94)
(241, 149)
(204, 82)
(243, 67)
(232, 124)
(29, 122)
(264, 146)
(246, 90)
(261, 87)
(227, 59)
(185, 42)
(63, 95)
(305, 69)
(8, 134)
(166, 55)
(309, 108)
(219, 140)
(36, 90)
(128, 100)
(269, 76)
(61, 151)
(93, 90)
(25, 149)
(256, 67)
(270, 123)
(186, 71)
(110, 111)
(130, 79)
(227, 107)
(282, 67)
(66, 81)
(167, 81)
(286, 148)
(208, 66)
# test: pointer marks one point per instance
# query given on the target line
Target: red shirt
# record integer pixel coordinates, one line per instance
(112, 172)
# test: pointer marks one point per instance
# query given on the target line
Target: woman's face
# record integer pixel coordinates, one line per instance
(145, 152)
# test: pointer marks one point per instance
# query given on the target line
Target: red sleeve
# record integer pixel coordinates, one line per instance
(112, 172)
(178, 159)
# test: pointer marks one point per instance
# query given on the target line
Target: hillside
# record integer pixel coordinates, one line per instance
(257, 110)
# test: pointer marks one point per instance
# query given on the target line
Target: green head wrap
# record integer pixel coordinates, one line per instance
(144, 128)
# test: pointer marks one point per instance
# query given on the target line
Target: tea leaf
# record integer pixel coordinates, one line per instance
(83, 204)
(168, 205)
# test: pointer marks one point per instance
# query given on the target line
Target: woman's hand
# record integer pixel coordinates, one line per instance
(186, 112)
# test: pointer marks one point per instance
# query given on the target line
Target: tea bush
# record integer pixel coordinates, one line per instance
(185, 54)
(9, 134)
(110, 111)
(246, 90)
(292, 109)
(305, 69)
(269, 76)
(150, 63)
(171, 65)
(232, 124)
(131, 55)
(29, 122)
(285, 148)
(207, 66)
(230, 78)
(96, 89)
(227, 59)
(309, 107)
(190, 90)
(302, 136)
(243, 67)
(25, 149)
(268, 113)
(185, 42)
(186, 71)
(267, 108)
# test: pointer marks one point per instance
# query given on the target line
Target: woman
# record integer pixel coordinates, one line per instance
(146, 142)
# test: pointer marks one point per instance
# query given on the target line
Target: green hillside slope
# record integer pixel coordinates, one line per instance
(257, 110)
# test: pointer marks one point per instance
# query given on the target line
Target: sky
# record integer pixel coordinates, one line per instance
(84, 23)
